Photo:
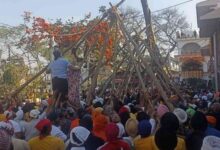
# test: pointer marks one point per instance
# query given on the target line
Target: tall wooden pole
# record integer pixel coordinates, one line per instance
(153, 49)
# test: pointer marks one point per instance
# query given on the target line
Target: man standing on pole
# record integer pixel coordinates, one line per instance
(58, 70)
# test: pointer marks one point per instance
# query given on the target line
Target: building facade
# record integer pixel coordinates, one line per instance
(194, 58)
(208, 18)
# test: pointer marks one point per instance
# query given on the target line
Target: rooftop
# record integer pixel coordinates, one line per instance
(212, 15)
(208, 3)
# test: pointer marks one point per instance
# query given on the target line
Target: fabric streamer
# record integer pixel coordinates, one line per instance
(73, 77)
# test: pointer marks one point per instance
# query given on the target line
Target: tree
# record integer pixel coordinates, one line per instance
(14, 73)
(166, 25)
(19, 62)
(133, 19)
(9, 37)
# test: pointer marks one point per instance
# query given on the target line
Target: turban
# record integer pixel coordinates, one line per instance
(211, 143)
(144, 128)
(43, 123)
(34, 113)
(191, 112)
(7, 126)
(131, 127)
(2, 117)
(181, 115)
(8, 114)
(123, 109)
(112, 132)
(211, 120)
(161, 110)
(79, 135)
(6, 133)
(121, 130)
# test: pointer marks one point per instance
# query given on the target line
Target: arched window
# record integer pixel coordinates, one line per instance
(191, 48)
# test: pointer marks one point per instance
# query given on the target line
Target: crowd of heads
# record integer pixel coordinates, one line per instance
(114, 123)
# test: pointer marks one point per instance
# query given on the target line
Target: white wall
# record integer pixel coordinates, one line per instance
(202, 42)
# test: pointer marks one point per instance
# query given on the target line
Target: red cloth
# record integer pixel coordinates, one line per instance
(43, 123)
(211, 120)
(115, 145)
(99, 124)
(111, 132)
(50, 101)
(74, 123)
(123, 109)
(95, 113)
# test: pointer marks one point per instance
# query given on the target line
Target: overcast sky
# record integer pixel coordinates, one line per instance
(11, 10)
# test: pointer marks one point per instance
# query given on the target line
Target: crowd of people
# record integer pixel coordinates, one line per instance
(116, 124)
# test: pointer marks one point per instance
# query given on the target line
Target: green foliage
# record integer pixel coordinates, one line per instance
(8, 77)
(14, 71)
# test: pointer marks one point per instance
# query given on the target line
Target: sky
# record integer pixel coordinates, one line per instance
(11, 10)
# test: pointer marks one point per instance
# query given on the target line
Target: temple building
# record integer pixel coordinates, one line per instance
(194, 57)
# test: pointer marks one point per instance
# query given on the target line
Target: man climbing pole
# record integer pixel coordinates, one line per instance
(58, 70)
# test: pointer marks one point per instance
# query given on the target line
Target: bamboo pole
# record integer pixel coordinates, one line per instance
(156, 81)
(111, 77)
(96, 72)
(14, 93)
(115, 69)
(135, 49)
(153, 49)
(128, 78)
(165, 86)
(158, 85)
(148, 68)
